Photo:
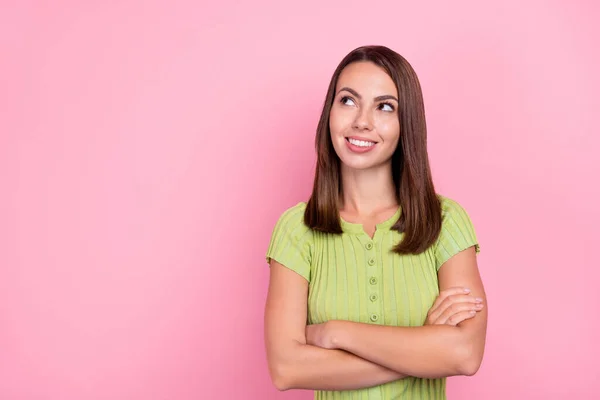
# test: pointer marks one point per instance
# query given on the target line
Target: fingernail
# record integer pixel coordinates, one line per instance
(478, 299)
(479, 305)
(467, 290)
(472, 312)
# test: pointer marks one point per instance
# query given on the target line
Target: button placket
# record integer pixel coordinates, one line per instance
(374, 308)
(370, 253)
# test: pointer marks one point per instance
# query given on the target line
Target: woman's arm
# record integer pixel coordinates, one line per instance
(293, 364)
(425, 351)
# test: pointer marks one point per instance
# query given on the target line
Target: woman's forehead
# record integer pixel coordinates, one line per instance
(366, 78)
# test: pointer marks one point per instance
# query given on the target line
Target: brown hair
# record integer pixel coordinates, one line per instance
(420, 219)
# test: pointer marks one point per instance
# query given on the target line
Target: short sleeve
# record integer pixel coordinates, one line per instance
(457, 232)
(291, 241)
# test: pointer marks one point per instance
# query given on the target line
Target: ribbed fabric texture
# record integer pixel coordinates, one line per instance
(353, 277)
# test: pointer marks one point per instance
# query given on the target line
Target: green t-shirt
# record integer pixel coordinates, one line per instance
(353, 277)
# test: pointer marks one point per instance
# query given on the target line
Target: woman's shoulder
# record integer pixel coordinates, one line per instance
(296, 209)
(291, 241)
(294, 214)
(292, 217)
(455, 217)
(450, 206)
(457, 231)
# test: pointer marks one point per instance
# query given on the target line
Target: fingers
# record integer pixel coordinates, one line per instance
(458, 312)
(458, 318)
(446, 299)
(449, 292)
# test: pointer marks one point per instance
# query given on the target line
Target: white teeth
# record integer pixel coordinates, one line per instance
(360, 143)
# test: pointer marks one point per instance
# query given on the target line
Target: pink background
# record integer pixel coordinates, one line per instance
(147, 149)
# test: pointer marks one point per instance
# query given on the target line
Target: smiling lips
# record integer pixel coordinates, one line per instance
(359, 145)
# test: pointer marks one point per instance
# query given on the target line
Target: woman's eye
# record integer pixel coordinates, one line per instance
(347, 101)
(387, 107)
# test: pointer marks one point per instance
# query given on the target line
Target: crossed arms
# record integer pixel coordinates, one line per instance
(344, 355)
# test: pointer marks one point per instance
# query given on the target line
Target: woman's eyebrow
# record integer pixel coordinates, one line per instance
(354, 92)
(386, 97)
(358, 96)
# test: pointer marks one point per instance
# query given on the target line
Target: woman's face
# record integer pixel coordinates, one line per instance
(364, 117)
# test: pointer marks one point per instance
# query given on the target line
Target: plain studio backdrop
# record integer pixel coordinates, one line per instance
(147, 149)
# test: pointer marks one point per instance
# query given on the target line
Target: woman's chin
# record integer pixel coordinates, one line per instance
(358, 165)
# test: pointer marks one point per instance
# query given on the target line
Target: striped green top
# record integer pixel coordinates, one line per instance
(356, 278)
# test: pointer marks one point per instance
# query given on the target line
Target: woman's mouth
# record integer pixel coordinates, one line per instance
(359, 145)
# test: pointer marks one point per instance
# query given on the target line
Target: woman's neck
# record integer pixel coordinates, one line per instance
(369, 191)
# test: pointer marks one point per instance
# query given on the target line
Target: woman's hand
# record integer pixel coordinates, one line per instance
(453, 306)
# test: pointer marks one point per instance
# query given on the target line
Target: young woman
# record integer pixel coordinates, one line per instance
(374, 288)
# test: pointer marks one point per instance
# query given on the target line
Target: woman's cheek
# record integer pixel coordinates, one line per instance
(338, 122)
(389, 127)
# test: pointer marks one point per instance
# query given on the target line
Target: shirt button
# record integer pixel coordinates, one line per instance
(373, 280)
(369, 246)
(374, 317)
(371, 262)
(373, 297)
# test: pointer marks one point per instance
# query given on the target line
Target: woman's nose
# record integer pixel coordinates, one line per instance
(363, 120)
